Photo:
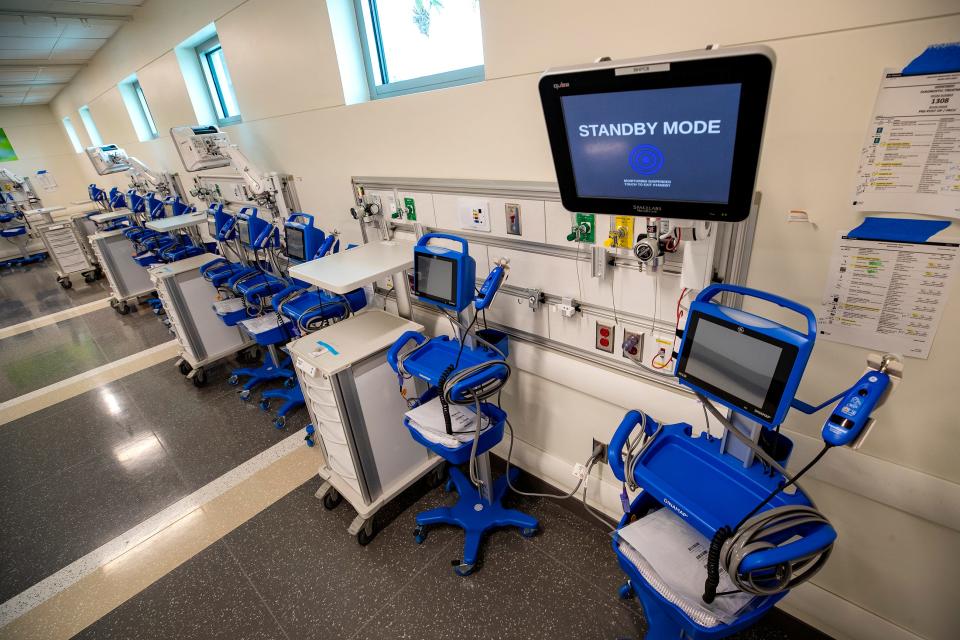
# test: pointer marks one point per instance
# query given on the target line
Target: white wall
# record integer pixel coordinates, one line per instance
(41, 143)
(896, 567)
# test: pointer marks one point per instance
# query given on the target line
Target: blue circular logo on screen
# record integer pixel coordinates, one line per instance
(646, 159)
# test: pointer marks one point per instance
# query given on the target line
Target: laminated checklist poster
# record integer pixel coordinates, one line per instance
(887, 294)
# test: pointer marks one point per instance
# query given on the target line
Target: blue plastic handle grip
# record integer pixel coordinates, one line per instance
(707, 294)
(325, 246)
(425, 240)
(489, 288)
(253, 212)
(264, 237)
(620, 437)
(308, 218)
(407, 336)
(821, 538)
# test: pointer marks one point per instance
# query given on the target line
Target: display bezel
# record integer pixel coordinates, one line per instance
(775, 396)
(419, 256)
(751, 70)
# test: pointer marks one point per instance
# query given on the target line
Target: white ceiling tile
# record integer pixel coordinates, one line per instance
(28, 44)
(78, 44)
(11, 102)
(14, 54)
(18, 75)
(90, 28)
(7, 92)
(71, 56)
(33, 26)
(56, 74)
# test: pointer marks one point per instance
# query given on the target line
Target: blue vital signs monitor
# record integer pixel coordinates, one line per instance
(442, 276)
(673, 136)
(748, 363)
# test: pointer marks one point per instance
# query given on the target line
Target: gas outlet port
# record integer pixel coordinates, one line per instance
(632, 346)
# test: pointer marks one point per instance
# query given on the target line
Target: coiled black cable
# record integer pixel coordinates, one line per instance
(444, 403)
(713, 563)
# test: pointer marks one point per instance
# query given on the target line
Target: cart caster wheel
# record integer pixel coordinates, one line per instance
(113, 303)
(438, 477)
(245, 395)
(200, 378)
(332, 500)
(248, 355)
(123, 308)
(265, 404)
(309, 440)
(364, 538)
(529, 532)
(420, 534)
(98, 274)
(279, 423)
(289, 383)
(185, 368)
(90, 278)
(463, 570)
(625, 591)
(233, 381)
(65, 283)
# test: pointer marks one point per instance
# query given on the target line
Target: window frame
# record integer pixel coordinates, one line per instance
(387, 89)
(72, 135)
(214, 82)
(145, 108)
(93, 132)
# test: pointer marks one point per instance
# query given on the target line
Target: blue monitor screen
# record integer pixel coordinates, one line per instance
(654, 144)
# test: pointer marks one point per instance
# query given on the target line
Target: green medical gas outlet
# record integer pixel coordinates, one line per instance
(588, 235)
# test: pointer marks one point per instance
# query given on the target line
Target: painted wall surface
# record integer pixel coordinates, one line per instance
(39, 139)
(895, 568)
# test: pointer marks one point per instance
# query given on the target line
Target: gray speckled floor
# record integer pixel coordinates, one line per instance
(32, 291)
(35, 359)
(77, 474)
(297, 574)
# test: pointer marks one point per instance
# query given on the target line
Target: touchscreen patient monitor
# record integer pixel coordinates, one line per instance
(673, 136)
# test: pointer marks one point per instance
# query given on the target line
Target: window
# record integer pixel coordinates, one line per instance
(72, 134)
(218, 81)
(138, 109)
(91, 126)
(142, 99)
(419, 45)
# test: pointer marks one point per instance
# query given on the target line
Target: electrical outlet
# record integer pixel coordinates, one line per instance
(603, 446)
(632, 345)
(606, 334)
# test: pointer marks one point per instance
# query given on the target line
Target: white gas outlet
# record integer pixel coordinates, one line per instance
(474, 214)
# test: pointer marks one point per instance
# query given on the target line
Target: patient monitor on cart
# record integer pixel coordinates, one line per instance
(678, 137)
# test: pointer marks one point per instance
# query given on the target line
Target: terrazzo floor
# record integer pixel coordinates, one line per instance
(293, 572)
(32, 291)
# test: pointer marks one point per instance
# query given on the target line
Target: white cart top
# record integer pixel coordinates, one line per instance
(111, 215)
(177, 222)
(337, 347)
(42, 210)
(348, 270)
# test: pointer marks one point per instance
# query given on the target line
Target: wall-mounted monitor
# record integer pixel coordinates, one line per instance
(107, 159)
(201, 147)
(674, 136)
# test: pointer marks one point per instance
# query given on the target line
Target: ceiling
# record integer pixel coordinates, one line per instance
(44, 43)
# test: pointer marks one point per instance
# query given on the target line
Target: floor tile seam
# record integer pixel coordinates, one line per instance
(401, 589)
(84, 566)
(246, 577)
(78, 380)
(44, 321)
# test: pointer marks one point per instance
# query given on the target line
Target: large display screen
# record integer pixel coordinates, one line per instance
(654, 144)
(435, 278)
(740, 364)
(672, 136)
(295, 248)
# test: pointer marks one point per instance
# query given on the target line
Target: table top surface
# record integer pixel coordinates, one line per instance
(348, 270)
(177, 222)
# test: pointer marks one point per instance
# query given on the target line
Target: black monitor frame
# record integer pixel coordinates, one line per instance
(303, 243)
(778, 383)
(418, 259)
(751, 67)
